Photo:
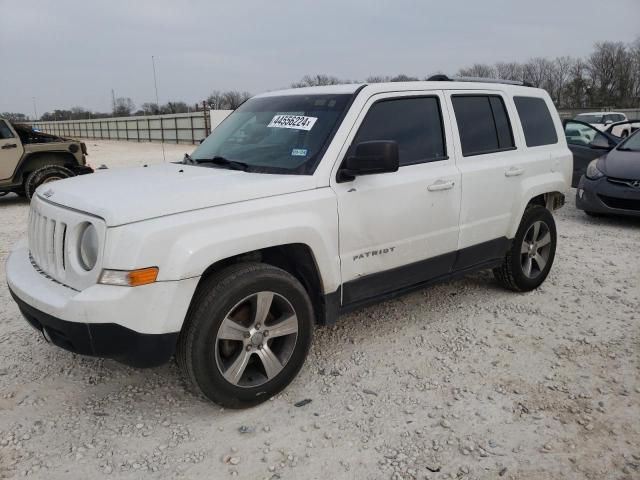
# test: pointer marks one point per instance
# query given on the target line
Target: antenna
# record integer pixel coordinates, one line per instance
(155, 84)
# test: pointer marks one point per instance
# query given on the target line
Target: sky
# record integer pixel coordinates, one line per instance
(68, 53)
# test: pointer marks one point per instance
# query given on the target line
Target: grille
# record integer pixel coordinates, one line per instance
(47, 238)
(621, 203)
(625, 181)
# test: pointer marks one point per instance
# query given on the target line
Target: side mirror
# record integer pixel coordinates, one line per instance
(600, 142)
(369, 158)
(608, 122)
(202, 140)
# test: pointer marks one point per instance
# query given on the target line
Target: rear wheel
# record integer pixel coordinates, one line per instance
(532, 252)
(246, 335)
(46, 174)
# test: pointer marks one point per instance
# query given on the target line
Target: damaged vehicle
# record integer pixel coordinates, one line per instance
(29, 159)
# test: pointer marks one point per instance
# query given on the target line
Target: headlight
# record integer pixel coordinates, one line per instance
(88, 247)
(592, 171)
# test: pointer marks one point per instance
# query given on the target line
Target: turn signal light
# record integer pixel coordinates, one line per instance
(129, 278)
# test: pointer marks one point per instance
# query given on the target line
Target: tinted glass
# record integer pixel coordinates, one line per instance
(5, 131)
(589, 118)
(583, 135)
(415, 123)
(536, 121)
(503, 127)
(483, 124)
(283, 134)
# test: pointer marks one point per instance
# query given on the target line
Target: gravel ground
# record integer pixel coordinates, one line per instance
(463, 380)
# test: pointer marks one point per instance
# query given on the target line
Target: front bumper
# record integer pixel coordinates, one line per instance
(605, 197)
(136, 326)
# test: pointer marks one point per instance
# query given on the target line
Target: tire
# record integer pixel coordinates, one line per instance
(207, 360)
(525, 268)
(48, 173)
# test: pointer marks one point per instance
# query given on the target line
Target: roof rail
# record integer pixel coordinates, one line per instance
(444, 78)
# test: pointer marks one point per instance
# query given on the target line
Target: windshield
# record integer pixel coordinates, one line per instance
(589, 118)
(284, 134)
(632, 143)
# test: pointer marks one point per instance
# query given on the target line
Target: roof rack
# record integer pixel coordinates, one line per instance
(444, 78)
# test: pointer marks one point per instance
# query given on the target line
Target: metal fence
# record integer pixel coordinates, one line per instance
(631, 113)
(172, 128)
(188, 127)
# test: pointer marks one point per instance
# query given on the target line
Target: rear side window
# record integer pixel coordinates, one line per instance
(414, 123)
(5, 131)
(536, 121)
(483, 124)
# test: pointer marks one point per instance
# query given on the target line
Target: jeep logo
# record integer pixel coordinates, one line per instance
(373, 253)
(48, 193)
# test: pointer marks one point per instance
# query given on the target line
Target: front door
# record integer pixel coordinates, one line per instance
(399, 229)
(10, 150)
(586, 143)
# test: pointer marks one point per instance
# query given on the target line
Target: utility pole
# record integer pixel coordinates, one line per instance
(113, 101)
(155, 84)
(35, 110)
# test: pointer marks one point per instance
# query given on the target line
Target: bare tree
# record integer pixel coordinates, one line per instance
(123, 106)
(509, 71)
(216, 100)
(479, 70)
(14, 116)
(317, 80)
(150, 108)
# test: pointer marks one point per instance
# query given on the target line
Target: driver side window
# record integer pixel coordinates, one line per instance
(584, 135)
(5, 131)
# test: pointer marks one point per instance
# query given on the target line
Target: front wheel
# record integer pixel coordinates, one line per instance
(247, 334)
(531, 255)
(47, 174)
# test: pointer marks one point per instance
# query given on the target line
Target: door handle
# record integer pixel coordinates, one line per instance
(514, 172)
(440, 185)
(9, 145)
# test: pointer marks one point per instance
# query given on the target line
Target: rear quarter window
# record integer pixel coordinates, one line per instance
(536, 121)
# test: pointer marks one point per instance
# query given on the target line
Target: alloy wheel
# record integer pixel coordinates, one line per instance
(535, 249)
(256, 339)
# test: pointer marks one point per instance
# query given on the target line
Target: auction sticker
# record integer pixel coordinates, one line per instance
(297, 122)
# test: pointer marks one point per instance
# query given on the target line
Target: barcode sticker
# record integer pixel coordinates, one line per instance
(297, 122)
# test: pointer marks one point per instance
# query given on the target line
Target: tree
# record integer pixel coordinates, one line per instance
(233, 99)
(123, 106)
(479, 70)
(150, 108)
(216, 100)
(317, 80)
(174, 107)
(14, 116)
(509, 71)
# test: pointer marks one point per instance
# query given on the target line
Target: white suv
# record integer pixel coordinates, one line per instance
(301, 205)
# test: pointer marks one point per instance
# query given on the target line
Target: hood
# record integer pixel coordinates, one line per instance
(619, 164)
(126, 195)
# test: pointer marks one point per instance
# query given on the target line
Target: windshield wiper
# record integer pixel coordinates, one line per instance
(223, 162)
(627, 149)
(188, 159)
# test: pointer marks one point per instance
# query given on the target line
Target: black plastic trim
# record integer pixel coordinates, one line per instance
(398, 281)
(108, 340)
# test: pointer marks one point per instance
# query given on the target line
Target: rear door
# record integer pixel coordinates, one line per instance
(586, 143)
(491, 172)
(11, 150)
